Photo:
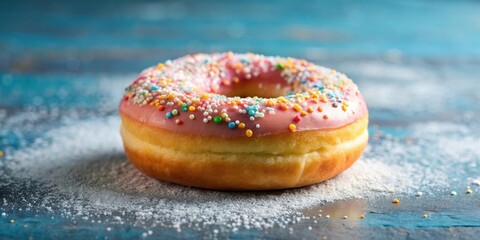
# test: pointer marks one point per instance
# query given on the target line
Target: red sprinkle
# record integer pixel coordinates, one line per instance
(296, 119)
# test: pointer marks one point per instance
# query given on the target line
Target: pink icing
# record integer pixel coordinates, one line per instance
(191, 76)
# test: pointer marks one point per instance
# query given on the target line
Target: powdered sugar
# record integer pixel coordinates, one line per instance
(83, 165)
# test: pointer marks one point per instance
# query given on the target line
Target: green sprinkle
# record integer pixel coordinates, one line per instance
(184, 109)
(217, 120)
(280, 66)
(174, 112)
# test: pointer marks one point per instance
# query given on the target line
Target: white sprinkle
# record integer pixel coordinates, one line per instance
(476, 182)
(345, 217)
(205, 120)
(257, 126)
(327, 216)
(419, 194)
(252, 118)
(453, 193)
(192, 116)
(109, 229)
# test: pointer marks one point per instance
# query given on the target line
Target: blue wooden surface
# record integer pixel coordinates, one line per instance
(53, 54)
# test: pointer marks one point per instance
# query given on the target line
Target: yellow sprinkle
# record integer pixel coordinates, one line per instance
(297, 107)
(344, 108)
(282, 100)
(249, 133)
(224, 115)
(241, 125)
(324, 99)
(205, 96)
(236, 80)
(1, 154)
(191, 108)
(396, 200)
(292, 127)
(160, 66)
(303, 114)
(310, 109)
(180, 103)
(468, 189)
(362, 216)
(171, 96)
(425, 215)
(12, 221)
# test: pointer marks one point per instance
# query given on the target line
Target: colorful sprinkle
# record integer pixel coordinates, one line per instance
(175, 112)
(231, 125)
(241, 125)
(396, 200)
(297, 119)
(292, 127)
(249, 133)
(297, 107)
(217, 119)
(169, 115)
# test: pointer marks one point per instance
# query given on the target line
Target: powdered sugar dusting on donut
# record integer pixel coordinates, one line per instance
(188, 95)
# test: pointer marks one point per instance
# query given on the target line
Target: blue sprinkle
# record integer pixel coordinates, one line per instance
(184, 109)
(251, 112)
(231, 125)
(169, 115)
(154, 88)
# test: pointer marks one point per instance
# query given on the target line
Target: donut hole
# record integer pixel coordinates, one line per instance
(268, 85)
(255, 89)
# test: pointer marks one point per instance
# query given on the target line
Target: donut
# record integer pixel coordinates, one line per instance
(228, 121)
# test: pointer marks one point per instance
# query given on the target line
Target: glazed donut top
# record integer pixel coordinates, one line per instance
(201, 94)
